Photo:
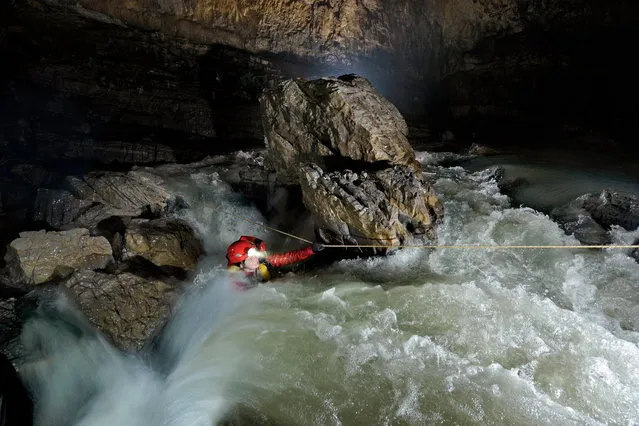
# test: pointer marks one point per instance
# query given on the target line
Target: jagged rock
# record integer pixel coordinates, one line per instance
(88, 200)
(125, 307)
(332, 118)
(387, 207)
(38, 256)
(586, 230)
(163, 242)
(613, 208)
(62, 210)
(590, 216)
(135, 192)
(58, 208)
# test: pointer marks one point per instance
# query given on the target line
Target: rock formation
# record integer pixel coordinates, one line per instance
(330, 120)
(86, 201)
(392, 206)
(163, 242)
(120, 93)
(127, 308)
(590, 216)
(346, 146)
(38, 257)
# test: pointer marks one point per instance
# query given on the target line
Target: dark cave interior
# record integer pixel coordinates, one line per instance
(80, 93)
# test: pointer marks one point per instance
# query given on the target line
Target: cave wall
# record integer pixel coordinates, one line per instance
(425, 38)
(142, 76)
(79, 88)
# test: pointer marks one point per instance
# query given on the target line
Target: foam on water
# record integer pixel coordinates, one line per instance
(193, 375)
(449, 336)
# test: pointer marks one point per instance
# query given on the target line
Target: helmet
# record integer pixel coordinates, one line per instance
(239, 250)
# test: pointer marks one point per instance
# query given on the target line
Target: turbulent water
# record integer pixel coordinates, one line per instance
(451, 336)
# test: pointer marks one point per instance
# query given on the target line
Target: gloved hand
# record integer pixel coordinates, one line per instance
(317, 247)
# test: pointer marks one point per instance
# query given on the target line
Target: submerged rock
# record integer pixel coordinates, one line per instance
(590, 217)
(613, 208)
(482, 150)
(125, 307)
(39, 256)
(327, 119)
(387, 207)
(163, 242)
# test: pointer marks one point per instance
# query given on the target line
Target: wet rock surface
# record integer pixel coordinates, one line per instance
(389, 207)
(591, 216)
(39, 256)
(163, 242)
(126, 307)
(330, 120)
(346, 146)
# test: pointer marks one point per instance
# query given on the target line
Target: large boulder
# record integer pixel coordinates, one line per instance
(135, 192)
(163, 242)
(86, 201)
(331, 119)
(125, 307)
(39, 256)
(386, 207)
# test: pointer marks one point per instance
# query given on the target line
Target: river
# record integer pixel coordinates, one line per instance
(449, 336)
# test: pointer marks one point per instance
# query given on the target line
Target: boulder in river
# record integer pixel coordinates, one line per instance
(613, 208)
(327, 119)
(127, 308)
(386, 207)
(163, 242)
(39, 256)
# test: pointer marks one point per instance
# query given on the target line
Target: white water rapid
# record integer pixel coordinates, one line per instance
(499, 337)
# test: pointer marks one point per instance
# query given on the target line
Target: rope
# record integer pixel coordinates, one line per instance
(270, 228)
(446, 246)
(452, 246)
(478, 246)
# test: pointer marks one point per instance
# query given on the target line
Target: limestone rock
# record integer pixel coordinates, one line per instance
(590, 216)
(613, 208)
(388, 207)
(38, 256)
(134, 192)
(86, 201)
(125, 307)
(332, 118)
(58, 208)
(163, 242)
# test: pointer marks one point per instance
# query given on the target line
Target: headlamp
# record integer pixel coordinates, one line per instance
(255, 252)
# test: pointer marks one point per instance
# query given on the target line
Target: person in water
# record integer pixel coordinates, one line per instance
(248, 255)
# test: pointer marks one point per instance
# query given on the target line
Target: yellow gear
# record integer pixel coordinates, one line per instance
(262, 273)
